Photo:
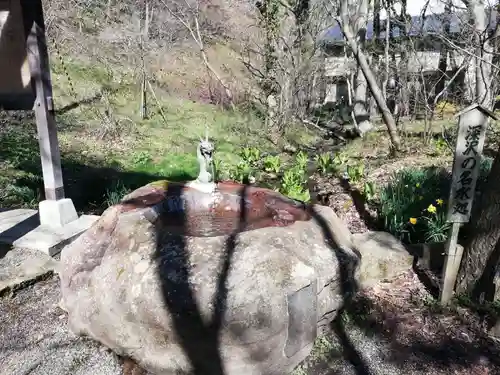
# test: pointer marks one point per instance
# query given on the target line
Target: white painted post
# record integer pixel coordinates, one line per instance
(55, 211)
(471, 134)
(45, 121)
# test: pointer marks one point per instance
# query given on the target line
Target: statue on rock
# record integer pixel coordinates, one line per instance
(191, 286)
(204, 154)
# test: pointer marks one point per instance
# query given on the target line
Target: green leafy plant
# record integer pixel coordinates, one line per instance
(325, 163)
(446, 107)
(485, 167)
(272, 164)
(356, 172)
(115, 194)
(301, 160)
(297, 192)
(241, 172)
(293, 176)
(220, 170)
(22, 195)
(141, 158)
(250, 155)
(369, 190)
(436, 227)
(412, 208)
(340, 159)
(441, 146)
(292, 184)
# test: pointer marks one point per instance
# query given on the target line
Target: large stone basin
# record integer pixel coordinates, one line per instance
(233, 207)
(238, 282)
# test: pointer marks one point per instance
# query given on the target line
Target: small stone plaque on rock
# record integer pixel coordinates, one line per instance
(302, 319)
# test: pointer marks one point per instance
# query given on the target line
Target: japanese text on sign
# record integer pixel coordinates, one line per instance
(470, 141)
(464, 192)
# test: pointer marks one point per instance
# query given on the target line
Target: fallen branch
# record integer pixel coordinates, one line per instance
(307, 122)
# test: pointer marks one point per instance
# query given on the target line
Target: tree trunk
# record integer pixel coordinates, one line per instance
(372, 82)
(402, 93)
(443, 54)
(108, 11)
(485, 233)
(479, 254)
(496, 58)
(147, 21)
(484, 51)
(144, 105)
(386, 55)
(376, 23)
(269, 12)
(377, 6)
(302, 46)
(143, 26)
(361, 110)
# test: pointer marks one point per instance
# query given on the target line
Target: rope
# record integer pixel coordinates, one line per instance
(65, 70)
(105, 118)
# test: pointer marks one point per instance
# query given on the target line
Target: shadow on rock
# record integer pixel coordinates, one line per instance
(197, 324)
(198, 336)
(348, 266)
(199, 287)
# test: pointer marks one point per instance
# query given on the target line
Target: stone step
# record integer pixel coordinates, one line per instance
(21, 228)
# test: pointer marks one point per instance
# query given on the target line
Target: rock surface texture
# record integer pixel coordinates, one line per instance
(383, 257)
(164, 279)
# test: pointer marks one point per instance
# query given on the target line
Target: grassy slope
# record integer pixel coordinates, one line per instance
(90, 55)
(161, 146)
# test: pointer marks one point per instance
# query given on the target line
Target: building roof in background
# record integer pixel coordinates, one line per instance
(433, 23)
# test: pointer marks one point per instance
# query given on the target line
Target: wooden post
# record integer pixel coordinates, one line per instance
(450, 262)
(38, 59)
(471, 134)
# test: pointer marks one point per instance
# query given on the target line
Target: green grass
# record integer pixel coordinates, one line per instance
(168, 165)
(134, 151)
(184, 121)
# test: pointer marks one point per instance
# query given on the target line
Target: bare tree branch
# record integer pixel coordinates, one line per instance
(344, 22)
(197, 37)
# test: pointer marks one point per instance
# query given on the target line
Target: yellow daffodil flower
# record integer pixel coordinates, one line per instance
(432, 209)
(413, 221)
(439, 202)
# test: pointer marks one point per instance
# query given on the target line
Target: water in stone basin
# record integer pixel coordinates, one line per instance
(187, 211)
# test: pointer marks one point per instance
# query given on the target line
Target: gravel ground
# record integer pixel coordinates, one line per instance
(395, 328)
(363, 356)
(34, 339)
(388, 331)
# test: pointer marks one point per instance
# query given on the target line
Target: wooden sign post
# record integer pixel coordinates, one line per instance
(25, 84)
(472, 124)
